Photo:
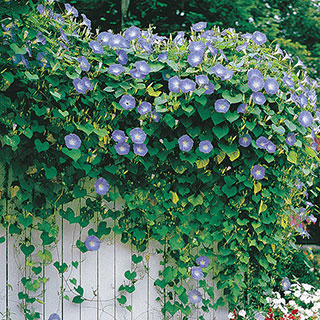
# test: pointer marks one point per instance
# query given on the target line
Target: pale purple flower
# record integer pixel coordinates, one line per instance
(285, 283)
(142, 67)
(155, 116)
(279, 51)
(300, 63)
(209, 88)
(262, 142)
(202, 79)
(302, 100)
(259, 316)
(243, 46)
(86, 21)
(258, 98)
(205, 146)
(255, 83)
(219, 70)
(187, 85)
(271, 85)
(199, 26)
(185, 143)
(197, 47)
(92, 243)
(312, 218)
(222, 105)
(305, 118)
(122, 148)
(40, 8)
(116, 69)
(63, 36)
(227, 75)
(145, 46)
(242, 108)
(119, 136)
(163, 56)
(140, 149)
(259, 38)
(212, 49)
(194, 296)
(79, 85)
(197, 273)
(84, 64)
(291, 139)
(127, 102)
(87, 83)
(96, 47)
(179, 38)
(203, 261)
(271, 147)
(303, 231)
(258, 172)
(288, 82)
(132, 33)
(54, 316)
(144, 108)
(137, 135)
(72, 141)
(209, 35)
(174, 84)
(71, 10)
(245, 140)
(41, 38)
(136, 74)
(254, 73)
(101, 186)
(118, 41)
(224, 57)
(195, 58)
(104, 38)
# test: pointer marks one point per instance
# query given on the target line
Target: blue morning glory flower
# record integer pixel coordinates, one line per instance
(136, 74)
(219, 70)
(271, 86)
(243, 46)
(87, 83)
(122, 148)
(258, 172)
(285, 283)
(79, 85)
(84, 64)
(194, 296)
(197, 273)
(63, 36)
(291, 139)
(132, 33)
(119, 136)
(86, 21)
(197, 47)
(92, 243)
(96, 47)
(209, 35)
(258, 98)
(174, 84)
(41, 38)
(137, 135)
(224, 57)
(155, 116)
(255, 83)
(101, 186)
(194, 58)
(227, 75)
(142, 67)
(302, 100)
(262, 142)
(209, 88)
(117, 41)
(259, 316)
(254, 73)
(288, 82)
(145, 46)
(163, 56)
(104, 38)
(203, 261)
(202, 79)
(187, 85)
(179, 38)
(72, 141)
(259, 38)
(242, 108)
(303, 231)
(271, 147)
(212, 49)
(312, 218)
(54, 316)
(305, 118)
(40, 8)
(300, 63)
(127, 102)
(199, 26)
(140, 149)
(222, 105)
(205, 146)
(71, 10)
(279, 51)
(116, 69)
(185, 143)
(245, 140)
(144, 108)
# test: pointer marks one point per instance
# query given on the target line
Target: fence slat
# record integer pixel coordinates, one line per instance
(3, 264)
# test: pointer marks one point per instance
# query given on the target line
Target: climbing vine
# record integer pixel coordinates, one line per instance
(206, 139)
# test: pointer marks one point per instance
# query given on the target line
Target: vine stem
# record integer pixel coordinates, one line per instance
(6, 187)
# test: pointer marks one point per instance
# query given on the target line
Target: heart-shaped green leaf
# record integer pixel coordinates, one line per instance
(41, 146)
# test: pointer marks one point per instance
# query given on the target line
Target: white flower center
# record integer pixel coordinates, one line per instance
(72, 142)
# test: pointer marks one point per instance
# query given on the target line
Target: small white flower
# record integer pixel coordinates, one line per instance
(242, 313)
(307, 286)
(230, 315)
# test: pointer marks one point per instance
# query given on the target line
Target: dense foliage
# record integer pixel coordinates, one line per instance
(207, 137)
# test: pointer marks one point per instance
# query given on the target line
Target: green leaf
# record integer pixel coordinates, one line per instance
(229, 191)
(74, 154)
(27, 250)
(292, 157)
(31, 76)
(232, 99)
(41, 146)
(25, 221)
(130, 275)
(281, 130)
(50, 172)
(17, 50)
(136, 259)
(11, 141)
(122, 299)
(77, 299)
(169, 120)
(79, 289)
(220, 131)
(196, 200)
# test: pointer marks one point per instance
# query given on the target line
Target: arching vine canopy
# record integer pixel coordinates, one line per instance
(204, 136)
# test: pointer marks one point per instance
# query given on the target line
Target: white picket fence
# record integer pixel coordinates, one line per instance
(100, 273)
